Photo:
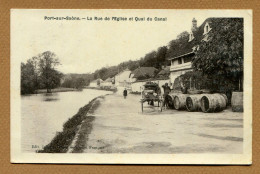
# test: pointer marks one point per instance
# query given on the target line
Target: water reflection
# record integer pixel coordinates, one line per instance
(44, 114)
(50, 97)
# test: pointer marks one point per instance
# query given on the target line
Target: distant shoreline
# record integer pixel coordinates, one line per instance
(44, 91)
(100, 88)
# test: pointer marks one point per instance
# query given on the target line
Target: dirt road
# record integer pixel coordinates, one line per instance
(120, 127)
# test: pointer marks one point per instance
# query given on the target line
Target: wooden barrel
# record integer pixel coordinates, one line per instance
(225, 96)
(170, 101)
(237, 102)
(172, 95)
(213, 103)
(179, 101)
(193, 102)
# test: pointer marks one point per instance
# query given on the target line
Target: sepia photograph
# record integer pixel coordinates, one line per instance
(131, 86)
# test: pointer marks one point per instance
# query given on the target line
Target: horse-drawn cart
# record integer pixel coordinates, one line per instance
(151, 93)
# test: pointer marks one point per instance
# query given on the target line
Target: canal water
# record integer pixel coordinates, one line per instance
(43, 115)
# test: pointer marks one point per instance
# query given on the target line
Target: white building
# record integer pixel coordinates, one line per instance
(137, 86)
(122, 79)
(107, 83)
(140, 76)
(181, 60)
(95, 83)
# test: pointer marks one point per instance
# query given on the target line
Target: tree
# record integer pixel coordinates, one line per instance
(220, 57)
(150, 59)
(50, 77)
(177, 44)
(183, 35)
(79, 83)
(161, 56)
(27, 78)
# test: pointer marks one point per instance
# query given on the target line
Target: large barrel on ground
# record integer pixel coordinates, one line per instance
(170, 101)
(213, 103)
(179, 101)
(193, 102)
(237, 102)
(172, 95)
(225, 96)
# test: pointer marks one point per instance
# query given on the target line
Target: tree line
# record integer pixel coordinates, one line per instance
(39, 73)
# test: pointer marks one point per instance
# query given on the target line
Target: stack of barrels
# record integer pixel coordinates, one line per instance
(200, 102)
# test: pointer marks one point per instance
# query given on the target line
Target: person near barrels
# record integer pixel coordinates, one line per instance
(166, 90)
(125, 93)
(184, 88)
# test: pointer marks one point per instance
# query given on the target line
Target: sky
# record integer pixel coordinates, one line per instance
(87, 45)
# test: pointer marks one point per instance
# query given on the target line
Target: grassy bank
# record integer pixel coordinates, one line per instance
(62, 140)
(85, 130)
(136, 93)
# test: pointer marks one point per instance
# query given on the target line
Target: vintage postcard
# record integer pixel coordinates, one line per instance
(114, 86)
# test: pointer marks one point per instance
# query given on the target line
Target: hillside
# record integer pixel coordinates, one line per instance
(155, 58)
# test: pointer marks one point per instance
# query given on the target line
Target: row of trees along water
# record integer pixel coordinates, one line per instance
(40, 72)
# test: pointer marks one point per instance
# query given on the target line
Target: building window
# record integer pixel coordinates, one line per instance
(206, 28)
(191, 36)
(187, 59)
(179, 61)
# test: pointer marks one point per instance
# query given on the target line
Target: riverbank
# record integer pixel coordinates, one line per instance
(102, 88)
(43, 91)
(61, 142)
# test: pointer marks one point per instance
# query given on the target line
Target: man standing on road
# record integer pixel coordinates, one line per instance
(125, 93)
(166, 90)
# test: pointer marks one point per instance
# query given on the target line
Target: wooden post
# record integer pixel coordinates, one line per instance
(190, 82)
(239, 88)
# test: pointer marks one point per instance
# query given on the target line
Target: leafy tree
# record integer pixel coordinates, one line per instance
(68, 83)
(177, 44)
(220, 56)
(161, 56)
(183, 35)
(27, 78)
(149, 59)
(74, 82)
(79, 83)
(39, 72)
(50, 77)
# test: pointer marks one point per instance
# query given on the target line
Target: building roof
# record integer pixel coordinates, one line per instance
(165, 71)
(186, 47)
(94, 81)
(144, 72)
(109, 80)
(163, 74)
